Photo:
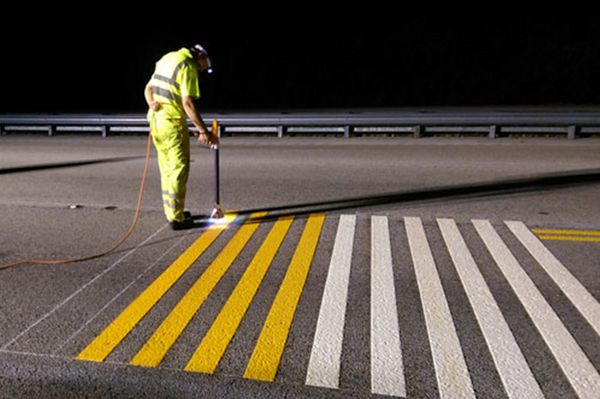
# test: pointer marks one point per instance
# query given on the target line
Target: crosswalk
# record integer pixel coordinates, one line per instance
(389, 237)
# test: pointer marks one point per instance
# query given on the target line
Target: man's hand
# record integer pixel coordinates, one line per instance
(207, 138)
(203, 137)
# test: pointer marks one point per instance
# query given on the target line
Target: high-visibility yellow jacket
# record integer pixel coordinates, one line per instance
(175, 76)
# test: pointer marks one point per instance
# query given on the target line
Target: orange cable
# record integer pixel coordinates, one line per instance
(117, 245)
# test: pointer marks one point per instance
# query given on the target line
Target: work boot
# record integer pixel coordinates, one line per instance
(187, 223)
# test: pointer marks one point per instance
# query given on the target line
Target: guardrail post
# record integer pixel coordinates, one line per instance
(493, 132)
(346, 132)
(280, 130)
(2, 132)
(104, 131)
(51, 130)
(417, 132)
(572, 132)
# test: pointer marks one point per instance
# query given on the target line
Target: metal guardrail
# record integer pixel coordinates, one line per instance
(491, 122)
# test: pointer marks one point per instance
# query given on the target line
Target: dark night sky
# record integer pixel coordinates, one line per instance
(94, 62)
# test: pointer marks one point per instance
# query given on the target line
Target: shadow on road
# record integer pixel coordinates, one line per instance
(454, 192)
(431, 195)
(33, 168)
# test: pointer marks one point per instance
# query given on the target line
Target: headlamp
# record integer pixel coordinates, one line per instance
(201, 50)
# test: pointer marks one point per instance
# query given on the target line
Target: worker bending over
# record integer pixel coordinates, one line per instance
(170, 95)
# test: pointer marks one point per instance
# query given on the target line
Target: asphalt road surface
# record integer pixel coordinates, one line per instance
(363, 267)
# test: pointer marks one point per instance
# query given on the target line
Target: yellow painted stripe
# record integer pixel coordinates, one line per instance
(569, 238)
(267, 353)
(568, 232)
(215, 342)
(157, 346)
(112, 335)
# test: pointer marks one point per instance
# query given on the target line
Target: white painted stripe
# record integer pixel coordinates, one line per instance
(324, 364)
(514, 372)
(46, 355)
(579, 371)
(450, 367)
(587, 305)
(387, 374)
(80, 289)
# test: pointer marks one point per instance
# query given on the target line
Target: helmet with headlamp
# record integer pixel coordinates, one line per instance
(201, 52)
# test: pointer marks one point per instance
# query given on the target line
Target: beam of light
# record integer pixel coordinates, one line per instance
(221, 223)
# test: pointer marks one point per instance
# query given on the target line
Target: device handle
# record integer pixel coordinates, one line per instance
(215, 133)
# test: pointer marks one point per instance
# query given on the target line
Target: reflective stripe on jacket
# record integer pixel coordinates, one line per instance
(175, 76)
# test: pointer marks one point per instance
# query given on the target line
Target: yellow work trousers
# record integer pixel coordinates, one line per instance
(172, 142)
